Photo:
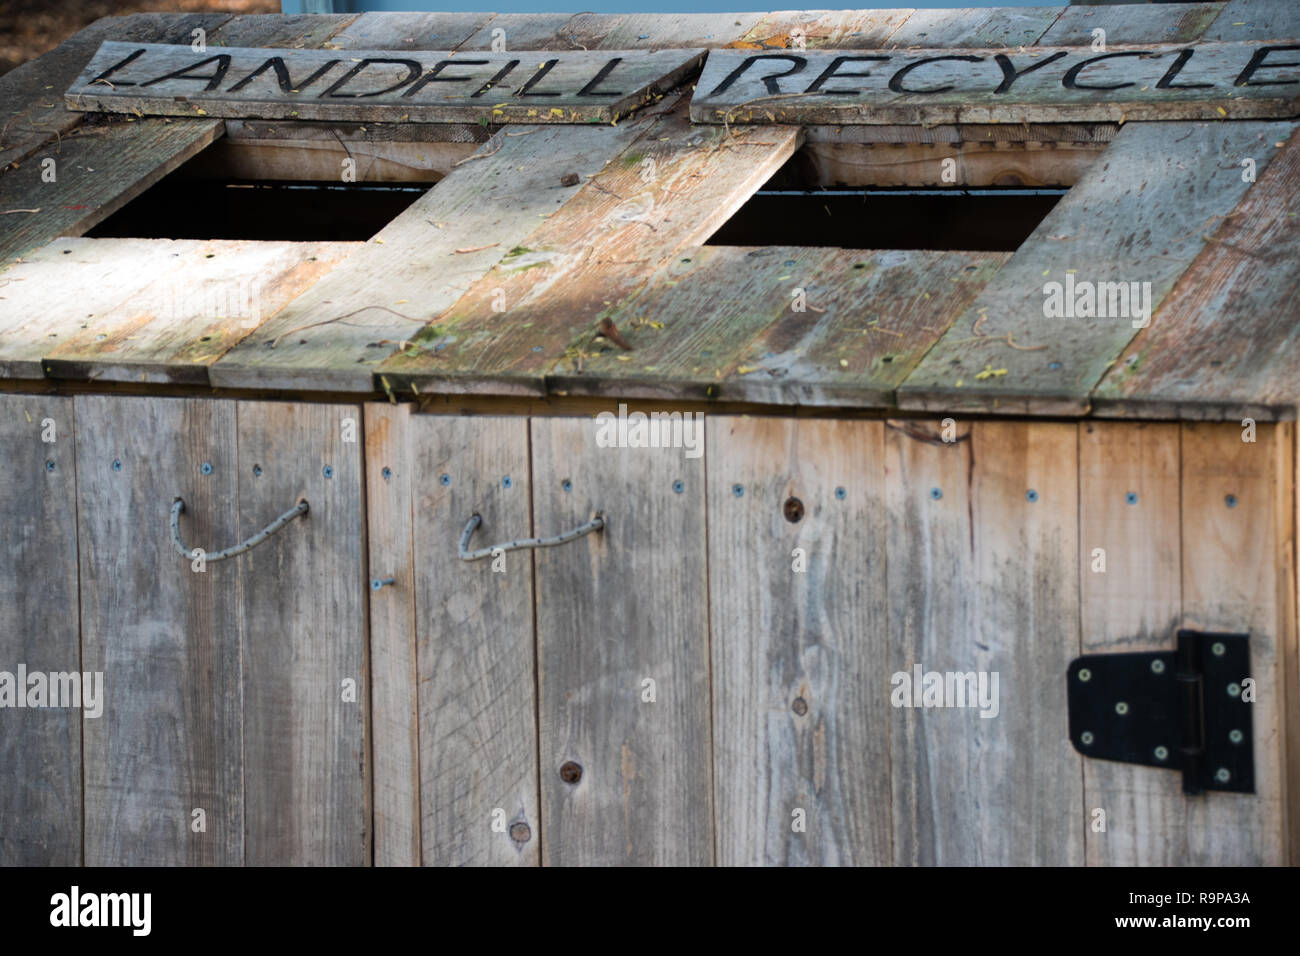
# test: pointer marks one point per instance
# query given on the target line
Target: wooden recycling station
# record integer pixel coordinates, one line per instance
(797, 438)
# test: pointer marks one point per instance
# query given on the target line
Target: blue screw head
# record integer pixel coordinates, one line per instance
(738, 490)
(117, 464)
(386, 473)
(679, 486)
(1031, 495)
(444, 479)
(566, 484)
(936, 493)
(841, 494)
(507, 482)
(257, 471)
(1131, 497)
(49, 465)
(328, 471)
(376, 584)
(206, 468)
(1053, 365)
(1230, 501)
(537, 348)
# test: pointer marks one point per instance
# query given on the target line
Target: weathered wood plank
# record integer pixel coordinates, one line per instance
(245, 83)
(169, 741)
(96, 172)
(670, 190)
(31, 95)
(923, 164)
(949, 133)
(1235, 553)
(1132, 23)
(324, 160)
(973, 28)
(799, 640)
(781, 325)
(212, 296)
(823, 29)
(278, 30)
(1224, 344)
(395, 705)
(419, 264)
(1256, 20)
(478, 735)
(983, 579)
(40, 748)
(1131, 600)
(661, 31)
(530, 31)
(1130, 227)
(306, 689)
(642, 750)
(1045, 85)
(408, 31)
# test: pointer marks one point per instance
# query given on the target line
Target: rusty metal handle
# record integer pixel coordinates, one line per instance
(595, 524)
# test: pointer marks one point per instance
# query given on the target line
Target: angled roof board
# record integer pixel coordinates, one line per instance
(1166, 125)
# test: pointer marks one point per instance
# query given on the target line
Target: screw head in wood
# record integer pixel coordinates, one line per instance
(1217, 649)
(1086, 738)
(257, 471)
(570, 772)
(1031, 495)
(386, 473)
(1121, 708)
(206, 468)
(566, 484)
(738, 490)
(49, 464)
(117, 464)
(1222, 775)
(1131, 497)
(793, 510)
(507, 482)
(679, 486)
(1162, 753)
(1236, 736)
(1234, 690)
(936, 493)
(1230, 501)
(1085, 675)
(841, 494)
(328, 471)
(444, 479)
(1157, 666)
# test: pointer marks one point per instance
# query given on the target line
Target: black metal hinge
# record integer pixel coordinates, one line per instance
(1181, 709)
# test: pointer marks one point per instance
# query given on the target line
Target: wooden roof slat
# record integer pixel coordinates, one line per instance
(975, 28)
(32, 111)
(185, 317)
(824, 29)
(407, 275)
(99, 169)
(1139, 215)
(409, 31)
(1226, 341)
(300, 31)
(720, 322)
(1131, 23)
(1256, 20)
(670, 190)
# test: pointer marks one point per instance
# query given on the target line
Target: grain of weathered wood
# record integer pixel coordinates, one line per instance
(40, 748)
(421, 87)
(1131, 600)
(924, 164)
(300, 31)
(1234, 562)
(530, 31)
(1132, 23)
(669, 190)
(33, 112)
(478, 731)
(1137, 218)
(421, 263)
(615, 610)
(171, 330)
(799, 640)
(166, 637)
(983, 579)
(949, 133)
(932, 86)
(1224, 344)
(823, 29)
(97, 171)
(659, 31)
(324, 160)
(778, 324)
(1256, 20)
(395, 704)
(306, 689)
(972, 28)
(1289, 654)
(408, 31)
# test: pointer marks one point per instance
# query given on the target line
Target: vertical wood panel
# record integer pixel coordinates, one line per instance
(478, 738)
(394, 707)
(1130, 504)
(983, 579)
(615, 609)
(800, 687)
(304, 633)
(165, 637)
(1233, 581)
(40, 749)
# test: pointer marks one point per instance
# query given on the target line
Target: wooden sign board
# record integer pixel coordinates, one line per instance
(1047, 85)
(387, 86)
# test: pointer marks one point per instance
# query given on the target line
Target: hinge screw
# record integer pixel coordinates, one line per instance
(1121, 708)
(1085, 675)
(1157, 666)
(1162, 753)
(1222, 775)
(1085, 738)
(1234, 690)
(1218, 649)
(1236, 736)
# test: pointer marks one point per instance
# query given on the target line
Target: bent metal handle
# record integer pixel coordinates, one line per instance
(595, 524)
(301, 508)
